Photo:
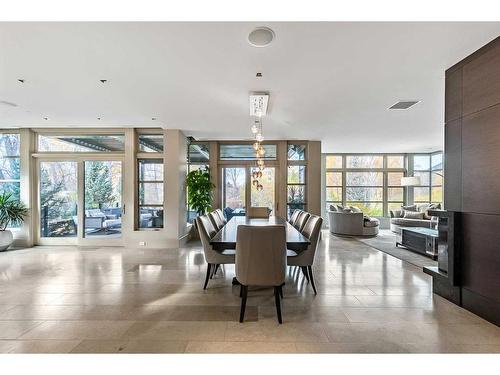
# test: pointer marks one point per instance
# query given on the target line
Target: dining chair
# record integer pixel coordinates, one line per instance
(216, 220)
(258, 212)
(261, 261)
(301, 220)
(213, 257)
(294, 216)
(305, 259)
(221, 216)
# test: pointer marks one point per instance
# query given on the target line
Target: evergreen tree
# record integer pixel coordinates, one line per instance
(98, 186)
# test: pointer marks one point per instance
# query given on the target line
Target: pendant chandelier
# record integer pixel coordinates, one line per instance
(260, 152)
(258, 108)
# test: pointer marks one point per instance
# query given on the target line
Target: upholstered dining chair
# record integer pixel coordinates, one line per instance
(221, 215)
(213, 258)
(261, 261)
(305, 259)
(294, 216)
(301, 220)
(216, 220)
(258, 212)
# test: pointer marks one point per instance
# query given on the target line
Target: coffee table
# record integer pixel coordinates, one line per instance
(420, 240)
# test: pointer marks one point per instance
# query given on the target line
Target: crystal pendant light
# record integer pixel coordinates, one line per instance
(255, 129)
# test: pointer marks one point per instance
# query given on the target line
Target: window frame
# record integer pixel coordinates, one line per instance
(17, 133)
(385, 170)
(160, 160)
(291, 163)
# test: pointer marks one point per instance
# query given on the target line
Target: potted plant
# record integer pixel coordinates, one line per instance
(199, 189)
(11, 212)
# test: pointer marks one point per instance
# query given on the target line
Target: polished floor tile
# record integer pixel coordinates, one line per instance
(38, 346)
(257, 347)
(130, 346)
(117, 300)
(176, 331)
(81, 329)
(15, 328)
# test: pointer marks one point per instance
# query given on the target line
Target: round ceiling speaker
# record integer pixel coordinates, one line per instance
(261, 37)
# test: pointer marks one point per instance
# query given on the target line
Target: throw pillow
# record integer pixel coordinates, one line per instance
(333, 208)
(413, 215)
(432, 206)
(340, 208)
(413, 208)
(355, 209)
(396, 213)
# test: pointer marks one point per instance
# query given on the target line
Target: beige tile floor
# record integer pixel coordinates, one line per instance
(113, 300)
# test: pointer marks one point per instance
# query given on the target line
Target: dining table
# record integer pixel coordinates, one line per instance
(226, 237)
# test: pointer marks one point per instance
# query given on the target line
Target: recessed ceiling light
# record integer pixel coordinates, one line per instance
(153, 118)
(99, 118)
(404, 104)
(45, 118)
(21, 80)
(103, 80)
(261, 37)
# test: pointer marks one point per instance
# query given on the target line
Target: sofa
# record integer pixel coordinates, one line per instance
(413, 216)
(346, 222)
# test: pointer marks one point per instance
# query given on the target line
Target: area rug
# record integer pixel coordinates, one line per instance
(386, 242)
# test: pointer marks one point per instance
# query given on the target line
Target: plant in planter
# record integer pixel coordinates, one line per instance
(11, 212)
(199, 189)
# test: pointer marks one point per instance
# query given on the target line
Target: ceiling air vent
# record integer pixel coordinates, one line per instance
(404, 104)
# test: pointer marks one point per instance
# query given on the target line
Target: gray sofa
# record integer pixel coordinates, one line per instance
(352, 224)
(398, 220)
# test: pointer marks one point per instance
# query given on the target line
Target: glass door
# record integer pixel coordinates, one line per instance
(80, 202)
(234, 181)
(58, 197)
(265, 196)
(102, 216)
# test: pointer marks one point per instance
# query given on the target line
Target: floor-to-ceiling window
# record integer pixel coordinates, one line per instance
(234, 191)
(437, 177)
(429, 168)
(10, 176)
(58, 198)
(79, 185)
(150, 180)
(373, 182)
(296, 177)
(242, 184)
(150, 198)
(103, 198)
(264, 197)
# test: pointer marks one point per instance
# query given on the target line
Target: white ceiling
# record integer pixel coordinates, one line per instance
(328, 81)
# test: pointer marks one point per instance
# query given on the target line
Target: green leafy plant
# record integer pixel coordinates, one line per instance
(11, 211)
(199, 189)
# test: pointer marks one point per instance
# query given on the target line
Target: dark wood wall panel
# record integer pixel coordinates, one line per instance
(481, 255)
(472, 176)
(453, 165)
(453, 96)
(481, 82)
(481, 161)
